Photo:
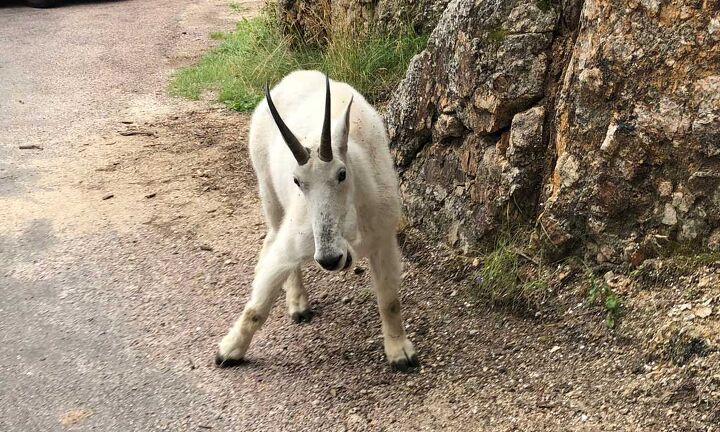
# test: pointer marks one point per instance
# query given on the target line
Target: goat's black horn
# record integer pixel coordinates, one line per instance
(325, 142)
(301, 154)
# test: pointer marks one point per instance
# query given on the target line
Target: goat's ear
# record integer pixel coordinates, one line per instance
(342, 129)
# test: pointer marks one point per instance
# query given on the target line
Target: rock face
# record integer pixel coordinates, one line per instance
(305, 21)
(466, 125)
(422, 15)
(596, 122)
(637, 128)
(313, 21)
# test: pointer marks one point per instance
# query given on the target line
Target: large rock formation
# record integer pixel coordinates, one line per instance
(597, 122)
(466, 124)
(637, 128)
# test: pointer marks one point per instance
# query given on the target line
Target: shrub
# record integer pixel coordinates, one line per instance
(258, 53)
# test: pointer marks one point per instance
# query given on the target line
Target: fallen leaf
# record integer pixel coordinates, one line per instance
(75, 416)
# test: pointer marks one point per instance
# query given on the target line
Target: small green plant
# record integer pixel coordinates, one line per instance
(502, 282)
(258, 52)
(600, 291)
(217, 36)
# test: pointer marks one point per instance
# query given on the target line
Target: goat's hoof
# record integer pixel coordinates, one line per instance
(401, 355)
(301, 317)
(224, 362)
(405, 364)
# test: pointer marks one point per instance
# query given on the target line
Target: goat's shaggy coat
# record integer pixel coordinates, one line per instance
(333, 203)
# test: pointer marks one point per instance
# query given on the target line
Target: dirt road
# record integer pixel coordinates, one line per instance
(127, 243)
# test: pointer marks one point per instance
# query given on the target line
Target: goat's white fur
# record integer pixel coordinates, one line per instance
(365, 208)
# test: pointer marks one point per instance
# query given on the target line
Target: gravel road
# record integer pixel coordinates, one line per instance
(128, 236)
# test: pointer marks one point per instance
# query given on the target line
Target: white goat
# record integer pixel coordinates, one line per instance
(332, 197)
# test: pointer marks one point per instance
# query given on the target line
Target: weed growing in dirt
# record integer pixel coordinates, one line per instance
(503, 282)
(257, 52)
(600, 292)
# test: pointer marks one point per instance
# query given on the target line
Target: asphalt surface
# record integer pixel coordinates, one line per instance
(66, 75)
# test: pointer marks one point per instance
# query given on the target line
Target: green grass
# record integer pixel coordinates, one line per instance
(502, 282)
(257, 52)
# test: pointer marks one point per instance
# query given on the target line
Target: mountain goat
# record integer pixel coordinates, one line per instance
(332, 197)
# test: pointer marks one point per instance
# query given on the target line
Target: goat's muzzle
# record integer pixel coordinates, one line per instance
(335, 262)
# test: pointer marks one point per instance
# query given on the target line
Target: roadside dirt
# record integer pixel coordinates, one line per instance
(128, 246)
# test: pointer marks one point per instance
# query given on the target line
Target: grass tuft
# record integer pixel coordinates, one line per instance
(503, 282)
(257, 52)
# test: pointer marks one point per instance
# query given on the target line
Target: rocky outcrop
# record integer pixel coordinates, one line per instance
(637, 129)
(596, 121)
(466, 125)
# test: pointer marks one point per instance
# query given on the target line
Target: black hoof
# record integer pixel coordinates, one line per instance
(222, 362)
(406, 364)
(304, 316)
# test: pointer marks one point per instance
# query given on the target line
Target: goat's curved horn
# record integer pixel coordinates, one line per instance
(325, 141)
(301, 154)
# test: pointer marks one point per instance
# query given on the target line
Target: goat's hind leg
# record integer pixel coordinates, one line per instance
(296, 298)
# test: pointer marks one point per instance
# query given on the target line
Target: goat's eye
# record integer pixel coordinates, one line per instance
(296, 182)
(341, 176)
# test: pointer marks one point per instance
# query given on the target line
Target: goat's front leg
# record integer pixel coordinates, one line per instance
(272, 270)
(296, 298)
(267, 243)
(386, 271)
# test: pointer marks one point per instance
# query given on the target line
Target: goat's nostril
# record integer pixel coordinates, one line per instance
(330, 262)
